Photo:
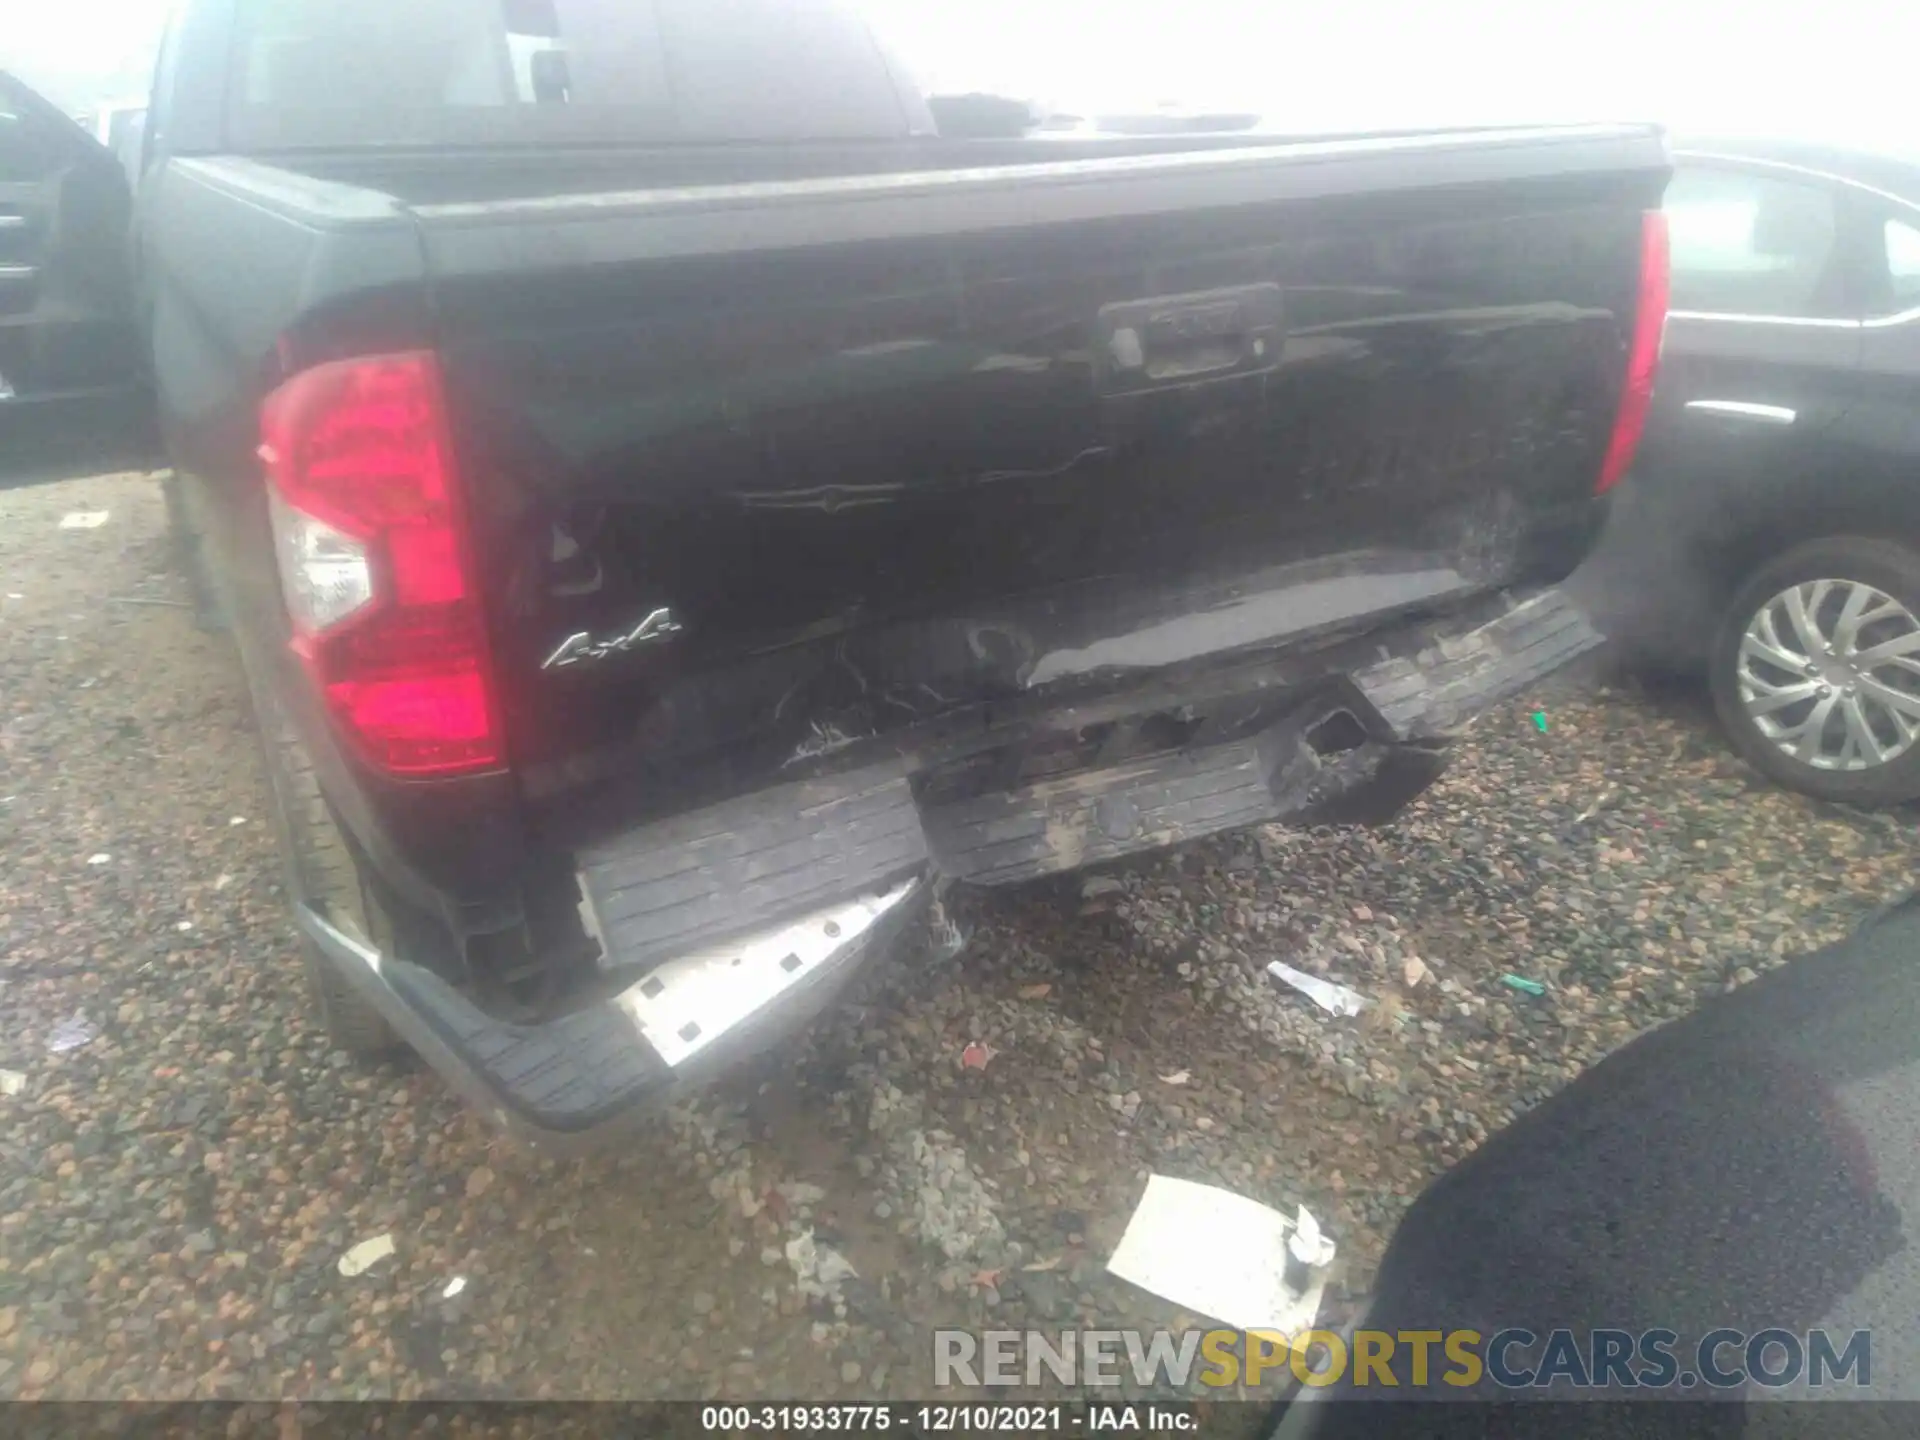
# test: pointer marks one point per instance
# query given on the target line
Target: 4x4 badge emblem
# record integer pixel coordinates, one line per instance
(583, 647)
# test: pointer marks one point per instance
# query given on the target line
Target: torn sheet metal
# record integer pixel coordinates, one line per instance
(1225, 1256)
(1332, 998)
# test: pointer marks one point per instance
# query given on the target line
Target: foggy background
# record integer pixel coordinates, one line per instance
(1836, 70)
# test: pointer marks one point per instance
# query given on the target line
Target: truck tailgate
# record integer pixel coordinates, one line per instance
(776, 476)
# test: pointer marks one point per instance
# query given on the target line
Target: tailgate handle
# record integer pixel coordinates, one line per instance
(1170, 340)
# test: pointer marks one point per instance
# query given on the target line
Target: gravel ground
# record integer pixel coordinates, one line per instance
(176, 1191)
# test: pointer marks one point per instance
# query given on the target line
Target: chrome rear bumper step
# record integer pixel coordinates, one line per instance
(560, 1084)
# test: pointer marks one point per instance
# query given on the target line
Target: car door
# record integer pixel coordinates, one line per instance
(1877, 443)
(1763, 335)
(74, 392)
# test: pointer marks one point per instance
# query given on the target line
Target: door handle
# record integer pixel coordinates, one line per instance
(1173, 340)
(1746, 410)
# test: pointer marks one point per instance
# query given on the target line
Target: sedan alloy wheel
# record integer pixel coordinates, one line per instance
(1829, 671)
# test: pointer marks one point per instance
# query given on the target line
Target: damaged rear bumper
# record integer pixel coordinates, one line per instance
(568, 1083)
(700, 910)
(1459, 671)
(1354, 749)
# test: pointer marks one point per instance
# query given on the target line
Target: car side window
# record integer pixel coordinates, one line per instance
(1902, 279)
(358, 61)
(1746, 243)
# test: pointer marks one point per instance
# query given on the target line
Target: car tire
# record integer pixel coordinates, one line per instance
(189, 556)
(322, 871)
(319, 866)
(1886, 566)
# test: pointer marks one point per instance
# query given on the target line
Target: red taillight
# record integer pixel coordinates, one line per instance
(1643, 356)
(370, 534)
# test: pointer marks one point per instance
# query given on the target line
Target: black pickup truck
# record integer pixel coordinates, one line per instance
(685, 517)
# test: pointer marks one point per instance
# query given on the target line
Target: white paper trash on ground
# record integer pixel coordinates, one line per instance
(1332, 998)
(366, 1255)
(1225, 1256)
(71, 1033)
(83, 519)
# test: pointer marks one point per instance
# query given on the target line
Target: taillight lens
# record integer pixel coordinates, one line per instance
(370, 535)
(1643, 355)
